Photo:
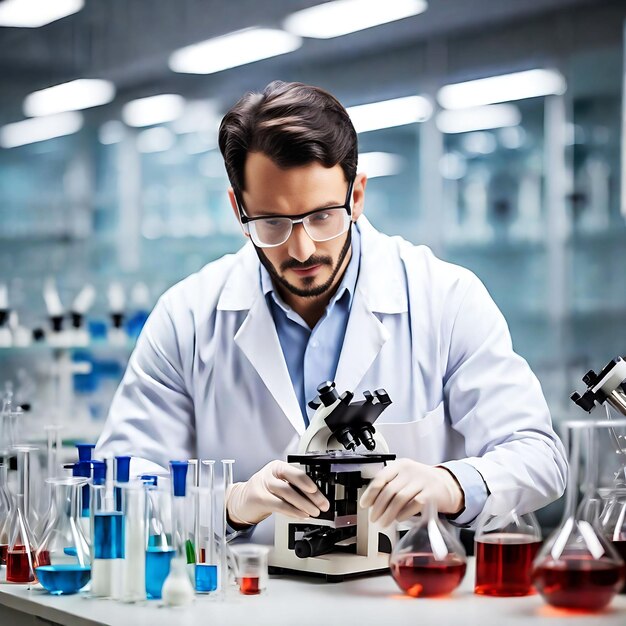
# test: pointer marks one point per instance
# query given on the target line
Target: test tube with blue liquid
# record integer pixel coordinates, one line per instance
(122, 477)
(107, 531)
(159, 546)
(204, 531)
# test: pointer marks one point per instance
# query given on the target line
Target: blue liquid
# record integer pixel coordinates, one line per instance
(63, 579)
(108, 539)
(157, 569)
(206, 577)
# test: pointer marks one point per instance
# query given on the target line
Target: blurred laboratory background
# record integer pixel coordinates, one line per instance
(490, 131)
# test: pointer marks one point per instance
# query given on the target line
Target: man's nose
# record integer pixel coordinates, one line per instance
(300, 245)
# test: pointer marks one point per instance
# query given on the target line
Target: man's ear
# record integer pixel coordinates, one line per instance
(358, 196)
(233, 204)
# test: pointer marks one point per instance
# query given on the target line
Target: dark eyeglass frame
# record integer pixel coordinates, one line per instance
(296, 219)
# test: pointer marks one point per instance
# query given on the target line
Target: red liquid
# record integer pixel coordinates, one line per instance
(249, 585)
(19, 564)
(42, 558)
(620, 546)
(3, 554)
(578, 583)
(504, 564)
(419, 575)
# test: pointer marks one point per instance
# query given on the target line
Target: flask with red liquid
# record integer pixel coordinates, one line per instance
(429, 560)
(577, 567)
(506, 544)
(22, 545)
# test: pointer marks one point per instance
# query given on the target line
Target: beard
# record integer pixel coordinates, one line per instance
(307, 291)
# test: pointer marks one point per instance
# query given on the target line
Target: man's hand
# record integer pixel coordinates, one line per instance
(277, 487)
(402, 489)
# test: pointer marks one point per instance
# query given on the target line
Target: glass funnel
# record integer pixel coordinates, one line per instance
(22, 544)
(429, 560)
(577, 568)
(506, 544)
(62, 559)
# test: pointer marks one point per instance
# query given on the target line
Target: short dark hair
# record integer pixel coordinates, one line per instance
(291, 123)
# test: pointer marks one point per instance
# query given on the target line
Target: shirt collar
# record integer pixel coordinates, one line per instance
(347, 285)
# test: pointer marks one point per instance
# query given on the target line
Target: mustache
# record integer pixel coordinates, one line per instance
(303, 265)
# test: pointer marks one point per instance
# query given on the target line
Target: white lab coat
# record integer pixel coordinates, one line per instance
(208, 379)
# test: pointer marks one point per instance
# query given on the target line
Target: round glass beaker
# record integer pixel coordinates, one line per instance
(577, 567)
(429, 560)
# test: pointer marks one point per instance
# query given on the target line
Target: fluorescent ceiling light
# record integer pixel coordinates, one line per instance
(36, 13)
(40, 129)
(341, 17)
(478, 118)
(389, 113)
(153, 110)
(505, 88)
(376, 164)
(155, 140)
(238, 48)
(83, 93)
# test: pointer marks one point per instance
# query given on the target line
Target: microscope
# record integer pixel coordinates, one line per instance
(341, 542)
(608, 386)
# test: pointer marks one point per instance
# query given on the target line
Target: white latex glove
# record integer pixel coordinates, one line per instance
(277, 487)
(401, 490)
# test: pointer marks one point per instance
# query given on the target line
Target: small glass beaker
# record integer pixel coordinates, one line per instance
(429, 560)
(506, 545)
(577, 567)
(62, 561)
(251, 567)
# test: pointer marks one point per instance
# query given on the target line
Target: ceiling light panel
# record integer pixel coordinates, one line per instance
(390, 113)
(333, 19)
(232, 50)
(73, 96)
(36, 13)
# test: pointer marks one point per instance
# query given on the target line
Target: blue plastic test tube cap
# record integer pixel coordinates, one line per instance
(179, 477)
(122, 469)
(82, 468)
(85, 450)
(99, 472)
(149, 479)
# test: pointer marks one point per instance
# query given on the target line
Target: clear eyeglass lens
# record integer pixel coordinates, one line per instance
(320, 226)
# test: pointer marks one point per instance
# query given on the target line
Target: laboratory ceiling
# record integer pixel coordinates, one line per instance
(129, 41)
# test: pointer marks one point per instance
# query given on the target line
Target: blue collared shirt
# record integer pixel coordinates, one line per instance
(312, 356)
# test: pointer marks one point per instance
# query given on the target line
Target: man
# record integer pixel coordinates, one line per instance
(231, 355)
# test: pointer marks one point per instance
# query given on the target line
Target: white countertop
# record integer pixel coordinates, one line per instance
(296, 601)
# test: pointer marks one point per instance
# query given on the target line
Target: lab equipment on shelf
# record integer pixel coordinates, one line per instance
(341, 541)
(429, 560)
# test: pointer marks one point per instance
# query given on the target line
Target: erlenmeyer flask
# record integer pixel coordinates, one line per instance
(429, 560)
(613, 522)
(577, 568)
(5, 512)
(506, 545)
(62, 559)
(22, 544)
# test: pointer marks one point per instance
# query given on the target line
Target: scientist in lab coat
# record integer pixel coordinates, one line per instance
(231, 355)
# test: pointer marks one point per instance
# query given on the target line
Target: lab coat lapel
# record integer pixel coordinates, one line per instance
(365, 336)
(379, 292)
(258, 340)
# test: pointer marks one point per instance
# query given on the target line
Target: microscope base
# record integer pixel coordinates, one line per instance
(329, 578)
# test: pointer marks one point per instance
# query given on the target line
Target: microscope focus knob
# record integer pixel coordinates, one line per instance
(327, 393)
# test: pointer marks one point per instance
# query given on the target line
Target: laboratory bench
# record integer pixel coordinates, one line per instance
(302, 601)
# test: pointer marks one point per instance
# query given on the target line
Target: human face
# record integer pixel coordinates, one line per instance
(300, 266)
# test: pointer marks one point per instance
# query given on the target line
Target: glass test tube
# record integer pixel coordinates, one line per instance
(134, 562)
(227, 478)
(159, 546)
(5, 511)
(206, 559)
